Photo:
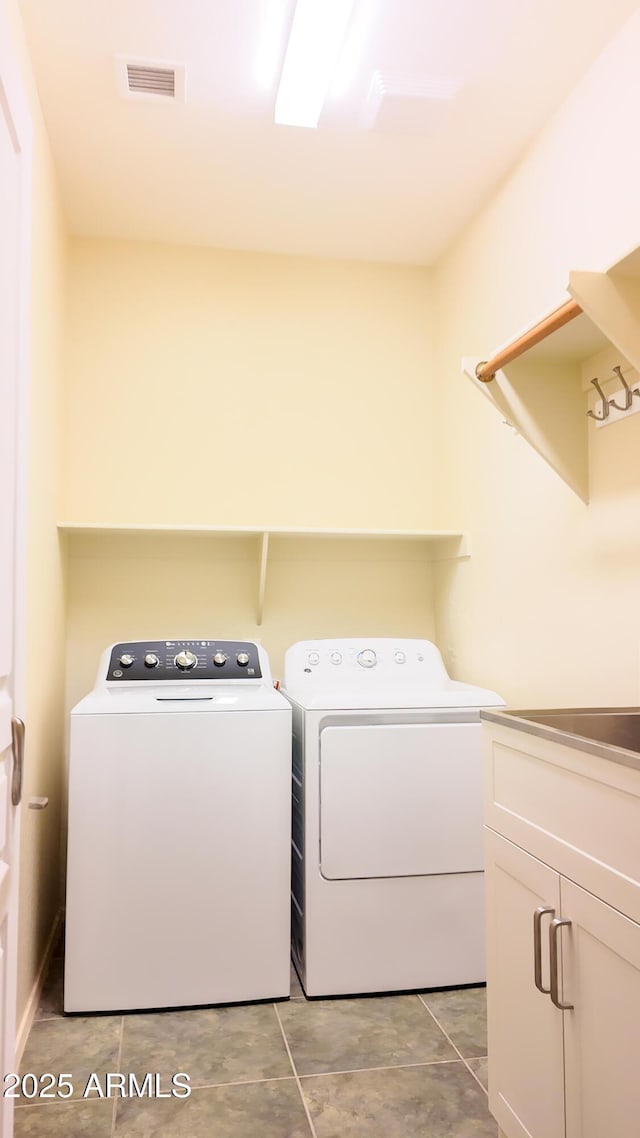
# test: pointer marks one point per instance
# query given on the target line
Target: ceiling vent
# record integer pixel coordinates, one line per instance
(408, 104)
(146, 79)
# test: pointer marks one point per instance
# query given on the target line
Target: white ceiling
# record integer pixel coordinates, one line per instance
(216, 171)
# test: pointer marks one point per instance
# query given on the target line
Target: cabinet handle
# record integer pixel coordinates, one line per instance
(554, 927)
(537, 946)
(17, 744)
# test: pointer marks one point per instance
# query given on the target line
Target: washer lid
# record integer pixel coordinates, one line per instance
(165, 699)
(380, 672)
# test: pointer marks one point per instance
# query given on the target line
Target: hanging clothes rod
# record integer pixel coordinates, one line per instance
(486, 371)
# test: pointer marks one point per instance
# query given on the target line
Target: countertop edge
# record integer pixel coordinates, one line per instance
(519, 722)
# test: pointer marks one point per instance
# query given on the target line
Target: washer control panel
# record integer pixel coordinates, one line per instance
(176, 660)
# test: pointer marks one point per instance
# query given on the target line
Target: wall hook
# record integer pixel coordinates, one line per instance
(628, 393)
(605, 404)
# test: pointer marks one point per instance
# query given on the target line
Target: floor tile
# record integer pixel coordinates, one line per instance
(211, 1045)
(51, 997)
(463, 1015)
(77, 1046)
(90, 1119)
(254, 1110)
(439, 1101)
(347, 1035)
(480, 1068)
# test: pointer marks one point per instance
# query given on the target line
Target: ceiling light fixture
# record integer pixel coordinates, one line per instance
(314, 45)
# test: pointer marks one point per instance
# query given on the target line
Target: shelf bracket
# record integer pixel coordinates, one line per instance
(544, 402)
(611, 302)
(262, 576)
(456, 548)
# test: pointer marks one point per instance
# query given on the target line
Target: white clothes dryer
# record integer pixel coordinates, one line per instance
(178, 870)
(387, 860)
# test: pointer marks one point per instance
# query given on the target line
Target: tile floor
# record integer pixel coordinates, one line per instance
(407, 1066)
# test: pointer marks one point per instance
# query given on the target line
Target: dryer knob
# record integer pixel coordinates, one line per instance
(185, 660)
(367, 658)
(151, 660)
(219, 659)
(243, 659)
(126, 660)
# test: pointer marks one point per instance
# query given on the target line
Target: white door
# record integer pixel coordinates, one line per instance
(14, 207)
(400, 800)
(525, 1030)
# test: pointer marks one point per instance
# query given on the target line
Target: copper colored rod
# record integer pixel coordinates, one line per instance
(557, 319)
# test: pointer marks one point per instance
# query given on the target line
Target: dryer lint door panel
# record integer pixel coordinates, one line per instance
(400, 800)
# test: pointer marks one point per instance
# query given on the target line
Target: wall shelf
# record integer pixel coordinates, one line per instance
(440, 545)
(542, 392)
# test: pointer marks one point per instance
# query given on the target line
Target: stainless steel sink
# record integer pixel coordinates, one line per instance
(615, 727)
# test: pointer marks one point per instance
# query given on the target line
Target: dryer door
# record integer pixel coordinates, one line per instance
(399, 800)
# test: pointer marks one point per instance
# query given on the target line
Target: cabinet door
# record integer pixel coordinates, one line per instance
(526, 1075)
(601, 959)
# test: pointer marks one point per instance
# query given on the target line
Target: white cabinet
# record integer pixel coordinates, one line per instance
(524, 1028)
(557, 1073)
(601, 960)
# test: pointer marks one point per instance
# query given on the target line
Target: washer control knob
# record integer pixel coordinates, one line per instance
(336, 657)
(367, 658)
(126, 660)
(219, 659)
(151, 660)
(243, 659)
(400, 658)
(185, 660)
(313, 658)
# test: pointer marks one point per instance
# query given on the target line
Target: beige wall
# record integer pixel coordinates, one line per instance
(40, 893)
(226, 388)
(136, 586)
(239, 389)
(323, 370)
(222, 388)
(547, 609)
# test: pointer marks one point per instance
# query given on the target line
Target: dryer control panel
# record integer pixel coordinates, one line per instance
(379, 662)
(375, 672)
(376, 668)
(176, 660)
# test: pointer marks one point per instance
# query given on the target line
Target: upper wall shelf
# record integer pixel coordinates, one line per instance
(440, 544)
(540, 389)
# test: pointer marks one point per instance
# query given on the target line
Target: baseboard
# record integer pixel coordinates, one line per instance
(26, 1021)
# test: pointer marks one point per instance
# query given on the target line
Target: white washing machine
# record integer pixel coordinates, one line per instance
(178, 874)
(387, 861)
